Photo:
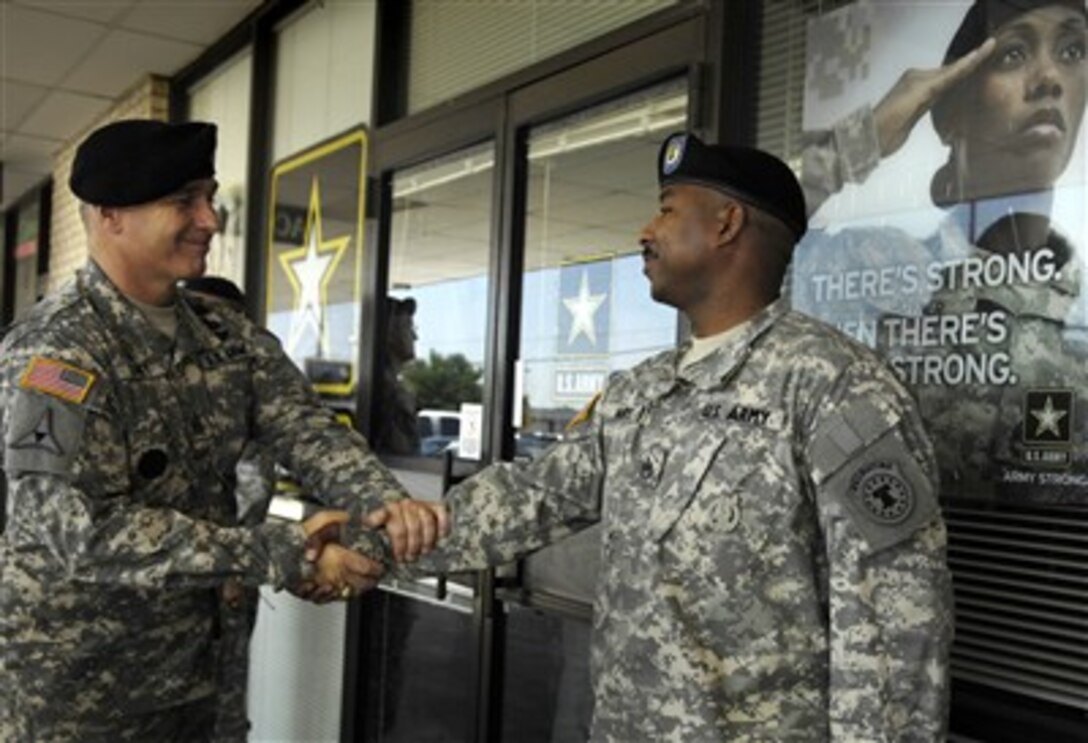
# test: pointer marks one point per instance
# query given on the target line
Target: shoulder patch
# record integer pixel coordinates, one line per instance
(42, 435)
(58, 379)
(585, 414)
(884, 492)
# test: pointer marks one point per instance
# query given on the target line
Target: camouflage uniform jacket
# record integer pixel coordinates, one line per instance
(773, 557)
(120, 447)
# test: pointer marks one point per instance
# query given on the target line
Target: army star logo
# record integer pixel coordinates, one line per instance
(41, 436)
(1048, 417)
(310, 269)
(883, 492)
(583, 307)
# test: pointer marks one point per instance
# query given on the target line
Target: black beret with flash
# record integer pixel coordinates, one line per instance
(750, 175)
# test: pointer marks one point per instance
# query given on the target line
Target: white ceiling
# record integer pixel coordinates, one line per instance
(63, 62)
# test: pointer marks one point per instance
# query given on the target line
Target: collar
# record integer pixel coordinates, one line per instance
(147, 348)
(716, 369)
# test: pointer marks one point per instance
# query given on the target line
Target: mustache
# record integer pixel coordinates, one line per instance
(198, 236)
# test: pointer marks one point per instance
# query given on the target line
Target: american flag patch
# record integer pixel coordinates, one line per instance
(57, 379)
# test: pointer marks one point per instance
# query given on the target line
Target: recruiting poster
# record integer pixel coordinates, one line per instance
(946, 181)
(314, 260)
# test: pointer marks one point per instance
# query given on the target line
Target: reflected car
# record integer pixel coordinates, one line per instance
(435, 446)
(531, 445)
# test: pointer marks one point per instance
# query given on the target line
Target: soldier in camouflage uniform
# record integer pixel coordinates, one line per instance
(125, 407)
(773, 557)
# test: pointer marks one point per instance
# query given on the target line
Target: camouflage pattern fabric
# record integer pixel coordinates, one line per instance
(120, 448)
(256, 479)
(773, 556)
(847, 153)
(237, 617)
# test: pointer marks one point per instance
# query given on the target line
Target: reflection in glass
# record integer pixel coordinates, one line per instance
(586, 310)
(547, 697)
(419, 662)
(437, 309)
(314, 263)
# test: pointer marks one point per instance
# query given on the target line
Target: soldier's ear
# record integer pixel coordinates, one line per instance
(111, 218)
(731, 216)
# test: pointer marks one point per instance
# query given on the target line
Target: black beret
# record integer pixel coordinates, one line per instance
(753, 176)
(987, 16)
(135, 161)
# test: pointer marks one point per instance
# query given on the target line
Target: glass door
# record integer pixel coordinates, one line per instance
(586, 312)
(423, 635)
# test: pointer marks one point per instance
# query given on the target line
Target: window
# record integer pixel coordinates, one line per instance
(586, 308)
(432, 376)
(223, 99)
(959, 254)
(504, 40)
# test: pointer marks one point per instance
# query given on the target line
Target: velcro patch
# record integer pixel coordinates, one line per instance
(57, 379)
(43, 435)
(844, 434)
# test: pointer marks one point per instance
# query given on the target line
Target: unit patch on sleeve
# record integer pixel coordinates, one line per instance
(40, 436)
(883, 491)
(43, 434)
(57, 379)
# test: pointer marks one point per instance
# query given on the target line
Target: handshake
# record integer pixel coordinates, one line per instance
(411, 528)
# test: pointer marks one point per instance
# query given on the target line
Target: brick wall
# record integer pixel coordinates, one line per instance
(148, 99)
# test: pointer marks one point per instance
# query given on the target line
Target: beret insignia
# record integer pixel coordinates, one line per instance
(674, 153)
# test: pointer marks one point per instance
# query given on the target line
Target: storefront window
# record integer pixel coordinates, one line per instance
(223, 99)
(586, 309)
(547, 694)
(418, 676)
(432, 380)
(314, 265)
(948, 231)
(324, 74)
(505, 39)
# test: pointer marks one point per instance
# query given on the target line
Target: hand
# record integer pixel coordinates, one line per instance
(341, 574)
(233, 593)
(413, 526)
(321, 528)
(916, 92)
